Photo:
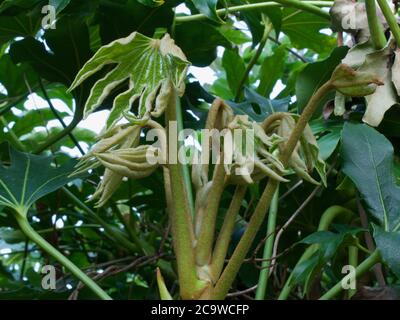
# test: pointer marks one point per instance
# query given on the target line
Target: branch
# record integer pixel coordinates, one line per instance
(309, 6)
(267, 30)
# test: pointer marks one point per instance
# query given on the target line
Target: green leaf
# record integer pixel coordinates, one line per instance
(32, 119)
(314, 75)
(271, 70)
(388, 244)
(14, 77)
(329, 133)
(258, 107)
(368, 161)
(28, 178)
(303, 29)
(199, 41)
(21, 25)
(234, 68)
(147, 64)
(232, 34)
(208, 8)
(69, 49)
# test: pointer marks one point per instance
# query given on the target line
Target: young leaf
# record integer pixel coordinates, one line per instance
(146, 62)
(28, 178)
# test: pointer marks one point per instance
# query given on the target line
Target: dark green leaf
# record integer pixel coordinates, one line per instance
(234, 68)
(314, 75)
(271, 70)
(208, 8)
(368, 161)
(388, 244)
(258, 107)
(28, 178)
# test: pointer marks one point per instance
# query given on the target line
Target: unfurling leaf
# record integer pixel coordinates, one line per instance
(306, 156)
(28, 178)
(147, 63)
(354, 83)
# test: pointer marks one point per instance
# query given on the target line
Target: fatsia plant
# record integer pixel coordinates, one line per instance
(282, 143)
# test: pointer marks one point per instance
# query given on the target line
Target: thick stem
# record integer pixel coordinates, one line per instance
(267, 30)
(364, 267)
(390, 19)
(181, 220)
(309, 6)
(264, 273)
(35, 237)
(326, 220)
(375, 26)
(206, 236)
(225, 235)
(231, 270)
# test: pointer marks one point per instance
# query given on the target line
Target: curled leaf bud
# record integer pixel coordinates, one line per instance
(354, 83)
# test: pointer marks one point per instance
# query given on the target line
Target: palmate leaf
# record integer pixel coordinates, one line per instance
(145, 62)
(28, 178)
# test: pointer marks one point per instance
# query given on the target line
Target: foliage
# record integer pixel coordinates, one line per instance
(322, 99)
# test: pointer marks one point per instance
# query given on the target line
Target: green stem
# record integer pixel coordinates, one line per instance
(264, 273)
(309, 6)
(364, 267)
(225, 235)
(181, 219)
(326, 220)
(254, 59)
(390, 19)
(375, 26)
(35, 237)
